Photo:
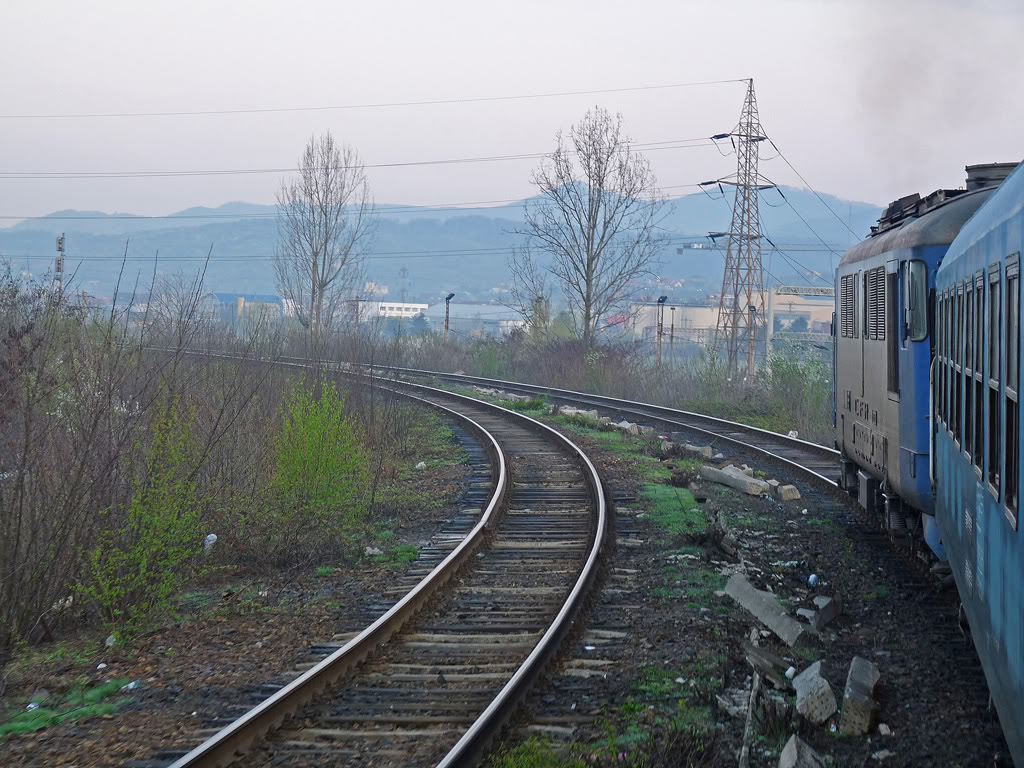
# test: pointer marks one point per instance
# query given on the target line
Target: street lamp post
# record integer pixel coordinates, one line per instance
(661, 323)
(447, 304)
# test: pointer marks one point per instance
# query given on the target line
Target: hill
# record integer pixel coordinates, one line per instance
(443, 249)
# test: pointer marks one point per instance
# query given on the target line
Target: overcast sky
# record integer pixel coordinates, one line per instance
(869, 100)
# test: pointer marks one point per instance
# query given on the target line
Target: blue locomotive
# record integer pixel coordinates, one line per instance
(884, 348)
(976, 413)
(927, 350)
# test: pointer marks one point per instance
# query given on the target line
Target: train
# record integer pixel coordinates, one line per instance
(927, 419)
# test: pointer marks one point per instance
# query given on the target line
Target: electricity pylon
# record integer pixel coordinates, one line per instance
(741, 304)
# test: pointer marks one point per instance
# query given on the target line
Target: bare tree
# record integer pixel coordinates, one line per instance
(595, 227)
(325, 226)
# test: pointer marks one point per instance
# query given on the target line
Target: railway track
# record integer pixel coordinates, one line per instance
(906, 561)
(496, 593)
(811, 459)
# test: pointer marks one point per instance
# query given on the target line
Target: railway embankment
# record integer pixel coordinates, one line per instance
(661, 673)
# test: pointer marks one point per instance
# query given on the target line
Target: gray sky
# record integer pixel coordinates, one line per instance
(869, 99)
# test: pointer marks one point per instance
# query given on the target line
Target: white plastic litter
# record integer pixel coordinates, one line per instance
(791, 673)
(812, 580)
(208, 542)
(131, 686)
(101, 665)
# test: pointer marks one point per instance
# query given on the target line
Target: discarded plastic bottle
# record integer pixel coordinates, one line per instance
(812, 580)
(208, 542)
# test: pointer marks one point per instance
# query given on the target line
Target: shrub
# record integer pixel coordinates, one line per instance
(141, 563)
(319, 482)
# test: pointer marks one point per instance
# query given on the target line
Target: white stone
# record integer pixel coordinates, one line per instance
(421, 465)
(814, 697)
(796, 754)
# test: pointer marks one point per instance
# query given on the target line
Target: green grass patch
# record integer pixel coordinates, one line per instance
(324, 571)
(400, 555)
(535, 753)
(79, 704)
(879, 592)
(674, 509)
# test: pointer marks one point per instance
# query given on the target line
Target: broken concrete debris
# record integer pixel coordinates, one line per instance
(796, 754)
(734, 478)
(828, 609)
(814, 697)
(704, 451)
(765, 607)
(788, 493)
(884, 730)
(858, 697)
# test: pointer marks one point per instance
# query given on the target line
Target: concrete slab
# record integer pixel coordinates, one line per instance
(796, 754)
(858, 697)
(814, 697)
(704, 451)
(765, 607)
(828, 609)
(737, 480)
(788, 493)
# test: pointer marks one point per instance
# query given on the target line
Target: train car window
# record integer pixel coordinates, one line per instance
(1010, 392)
(979, 382)
(958, 352)
(995, 342)
(940, 339)
(915, 300)
(968, 366)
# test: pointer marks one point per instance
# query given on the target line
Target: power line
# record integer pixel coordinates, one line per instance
(793, 168)
(377, 105)
(23, 175)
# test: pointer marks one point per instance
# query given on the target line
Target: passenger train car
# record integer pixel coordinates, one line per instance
(976, 415)
(884, 348)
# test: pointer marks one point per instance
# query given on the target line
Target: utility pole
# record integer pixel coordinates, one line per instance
(661, 323)
(59, 265)
(447, 305)
(672, 333)
(741, 303)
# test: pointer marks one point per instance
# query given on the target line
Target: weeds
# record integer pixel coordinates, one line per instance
(78, 705)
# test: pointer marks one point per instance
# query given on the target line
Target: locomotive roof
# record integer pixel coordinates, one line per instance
(936, 227)
(1006, 203)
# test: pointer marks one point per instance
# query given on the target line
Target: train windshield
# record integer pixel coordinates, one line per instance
(915, 300)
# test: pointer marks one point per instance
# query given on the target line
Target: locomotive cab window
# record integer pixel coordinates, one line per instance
(915, 300)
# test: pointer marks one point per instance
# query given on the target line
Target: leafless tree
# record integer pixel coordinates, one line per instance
(325, 226)
(594, 230)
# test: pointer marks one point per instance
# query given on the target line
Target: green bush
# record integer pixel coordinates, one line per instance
(319, 487)
(142, 561)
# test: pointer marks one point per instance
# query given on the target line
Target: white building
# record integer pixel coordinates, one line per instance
(372, 309)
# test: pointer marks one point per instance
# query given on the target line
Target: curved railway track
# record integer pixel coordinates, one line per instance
(502, 585)
(820, 466)
(817, 461)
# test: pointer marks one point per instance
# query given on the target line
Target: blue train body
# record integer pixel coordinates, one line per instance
(928, 348)
(978, 431)
(884, 348)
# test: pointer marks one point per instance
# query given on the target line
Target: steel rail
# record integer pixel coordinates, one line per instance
(713, 427)
(227, 744)
(224, 746)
